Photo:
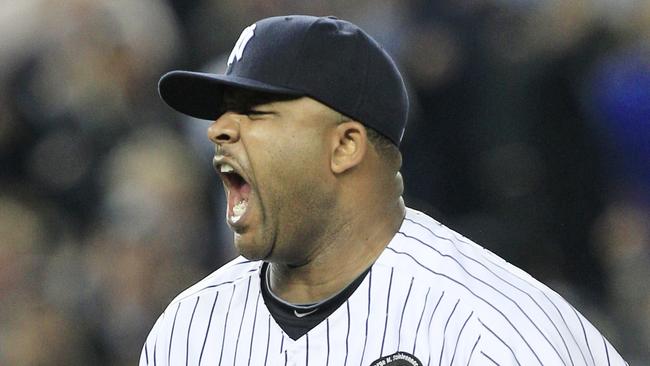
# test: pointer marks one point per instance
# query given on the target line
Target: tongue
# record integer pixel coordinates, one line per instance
(244, 191)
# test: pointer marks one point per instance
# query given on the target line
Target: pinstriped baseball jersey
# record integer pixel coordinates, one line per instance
(432, 298)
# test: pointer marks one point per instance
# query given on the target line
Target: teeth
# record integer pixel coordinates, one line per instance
(238, 210)
(226, 168)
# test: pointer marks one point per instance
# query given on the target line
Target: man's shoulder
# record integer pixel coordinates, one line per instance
(510, 308)
(437, 256)
(426, 244)
(234, 271)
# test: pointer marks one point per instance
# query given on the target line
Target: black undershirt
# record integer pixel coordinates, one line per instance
(285, 313)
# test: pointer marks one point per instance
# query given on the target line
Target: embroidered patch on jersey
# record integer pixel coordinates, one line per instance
(398, 359)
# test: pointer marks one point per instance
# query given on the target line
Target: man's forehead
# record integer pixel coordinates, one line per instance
(243, 100)
(240, 97)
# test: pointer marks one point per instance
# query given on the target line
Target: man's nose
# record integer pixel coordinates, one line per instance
(225, 130)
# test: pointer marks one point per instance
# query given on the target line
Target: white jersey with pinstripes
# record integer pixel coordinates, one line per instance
(431, 294)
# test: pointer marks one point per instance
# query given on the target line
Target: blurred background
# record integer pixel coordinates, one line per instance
(529, 133)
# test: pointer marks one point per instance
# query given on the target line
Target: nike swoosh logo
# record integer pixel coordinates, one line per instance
(302, 315)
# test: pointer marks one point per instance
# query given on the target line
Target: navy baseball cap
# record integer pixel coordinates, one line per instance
(325, 58)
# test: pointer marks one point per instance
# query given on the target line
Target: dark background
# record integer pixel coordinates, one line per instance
(529, 133)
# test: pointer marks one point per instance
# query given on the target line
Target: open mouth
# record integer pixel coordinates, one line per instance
(238, 191)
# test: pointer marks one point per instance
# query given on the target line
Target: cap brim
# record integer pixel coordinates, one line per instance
(200, 95)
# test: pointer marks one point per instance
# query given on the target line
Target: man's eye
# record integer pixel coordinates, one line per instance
(254, 113)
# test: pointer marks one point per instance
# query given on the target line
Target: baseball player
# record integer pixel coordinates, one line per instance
(334, 269)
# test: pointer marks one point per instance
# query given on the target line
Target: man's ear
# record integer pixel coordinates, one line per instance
(349, 146)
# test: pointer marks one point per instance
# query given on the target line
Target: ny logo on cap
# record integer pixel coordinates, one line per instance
(238, 50)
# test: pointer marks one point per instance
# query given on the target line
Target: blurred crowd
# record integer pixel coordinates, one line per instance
(529, 133)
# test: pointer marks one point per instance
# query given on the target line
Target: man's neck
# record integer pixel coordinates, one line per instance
(337, 263)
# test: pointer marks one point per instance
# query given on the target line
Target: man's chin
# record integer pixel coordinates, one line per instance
(252, 250)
